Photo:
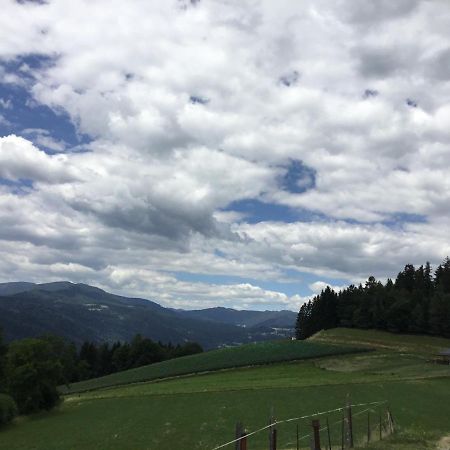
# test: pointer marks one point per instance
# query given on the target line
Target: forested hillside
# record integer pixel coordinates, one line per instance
(418, 301)
(79, 312)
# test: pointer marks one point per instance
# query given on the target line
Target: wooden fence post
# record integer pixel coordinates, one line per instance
(316, 434)
(243, 442)
(272, 433)
(342, 431)
(390, 420)
(368, 426)
(349, 422)
(381, 431)
(238, 433)
(297, 440)
(329, 434)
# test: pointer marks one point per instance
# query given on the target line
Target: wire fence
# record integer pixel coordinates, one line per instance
(338, 428)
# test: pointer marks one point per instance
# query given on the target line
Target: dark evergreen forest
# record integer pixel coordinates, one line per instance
(418, 301)
(32, 368)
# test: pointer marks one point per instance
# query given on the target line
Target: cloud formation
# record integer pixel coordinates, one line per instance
(20, 159)
(320, 107)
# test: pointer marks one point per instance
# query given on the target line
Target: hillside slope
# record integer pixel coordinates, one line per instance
(201, 411)
(244, 355)
(81, 312)
(382, 340)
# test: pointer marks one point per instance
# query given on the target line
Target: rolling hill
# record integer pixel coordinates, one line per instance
(200, 411)
(225, 358)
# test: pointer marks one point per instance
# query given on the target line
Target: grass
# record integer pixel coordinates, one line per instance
(202, 420)
(245, 355)
(382, 339)
(199, 412)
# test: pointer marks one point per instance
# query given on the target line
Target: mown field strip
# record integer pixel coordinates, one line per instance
(245, 355)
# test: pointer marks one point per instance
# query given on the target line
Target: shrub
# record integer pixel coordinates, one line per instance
(33, 372)
(8, 409)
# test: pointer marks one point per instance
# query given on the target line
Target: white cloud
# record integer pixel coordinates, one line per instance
(161, 169)
(196, 295)
(4, 120)
(6, 103)
(43, 139)
(19, 159)
(318, 286)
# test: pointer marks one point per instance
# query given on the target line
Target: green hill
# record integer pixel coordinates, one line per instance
(226, 358)
(200, 411)
(382, 340)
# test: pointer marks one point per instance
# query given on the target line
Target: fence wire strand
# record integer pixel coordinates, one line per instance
(278, 422)
(334, 423)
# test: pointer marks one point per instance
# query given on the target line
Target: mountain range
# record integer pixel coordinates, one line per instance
(80, 312)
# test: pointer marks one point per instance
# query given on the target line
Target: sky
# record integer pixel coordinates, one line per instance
(238, 153)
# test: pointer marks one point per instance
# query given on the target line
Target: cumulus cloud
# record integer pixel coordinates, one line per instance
(20, 159)
(375, 11)
(43, 139)
(182, 294)
(193, 106)
(318, 286)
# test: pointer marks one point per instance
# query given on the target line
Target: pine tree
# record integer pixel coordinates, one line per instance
(416, 303)
(406, 278)
(442, 276)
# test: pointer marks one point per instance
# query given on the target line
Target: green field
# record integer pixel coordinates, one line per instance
(382, 340)
(200, 411)
(244, 355)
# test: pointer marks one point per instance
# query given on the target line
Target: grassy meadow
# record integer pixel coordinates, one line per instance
(200, 411)
(225, 358)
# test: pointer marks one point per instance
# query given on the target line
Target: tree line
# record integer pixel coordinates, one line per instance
(418, 301)
(98, 360)
(32, 369)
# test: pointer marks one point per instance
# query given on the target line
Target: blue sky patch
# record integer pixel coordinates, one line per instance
(219, 253)
(25, 117)
(257, 211)
(400, 219)
(17, 187)
(21, 65)
(298, 178)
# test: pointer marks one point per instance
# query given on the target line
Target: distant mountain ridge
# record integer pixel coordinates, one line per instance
(81, 312)
(15, 287)
(245, 318)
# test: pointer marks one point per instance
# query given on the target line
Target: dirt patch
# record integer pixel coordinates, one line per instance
(444, 443)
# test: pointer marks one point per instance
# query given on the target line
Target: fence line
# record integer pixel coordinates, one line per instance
(277, 422)
(337, 422)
